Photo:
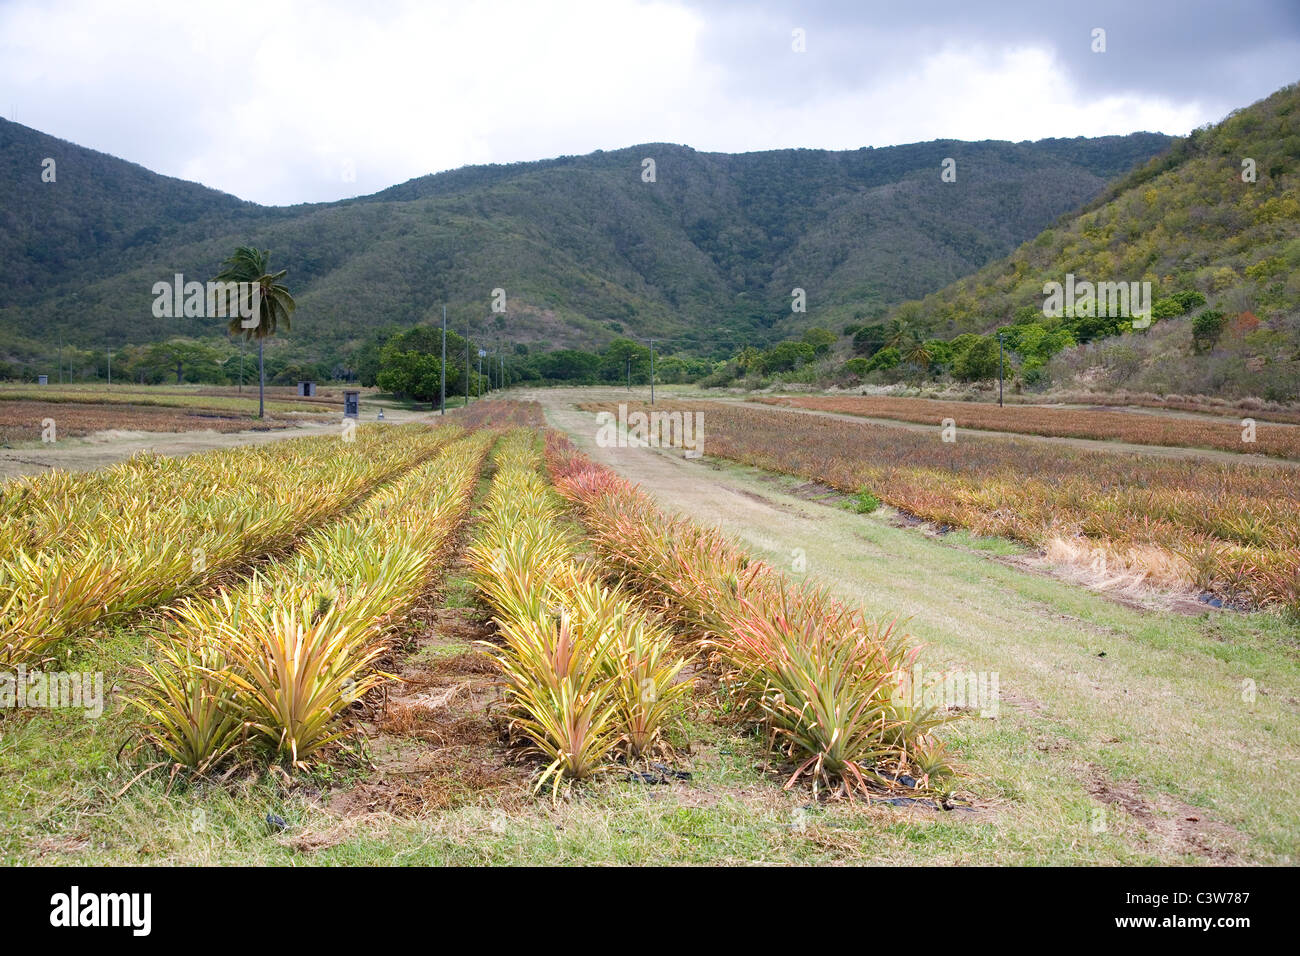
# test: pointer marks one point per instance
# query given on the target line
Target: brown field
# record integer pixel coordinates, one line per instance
(1281, 441)
(20, 421)
(1204, 404)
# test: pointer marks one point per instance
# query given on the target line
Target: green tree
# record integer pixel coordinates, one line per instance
(940, 352)
(1206, 329)
(978, 361)
(159, 361)
(617, 355)
(275, 304)
(785, 356)
(820, 339)
(411, 373)
(748, 359)
(887, 358)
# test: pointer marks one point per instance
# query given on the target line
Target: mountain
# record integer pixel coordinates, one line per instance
(1213, 224)
(704, 258)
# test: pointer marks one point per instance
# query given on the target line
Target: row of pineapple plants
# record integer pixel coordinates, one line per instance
(83, 551)
(1228, 527)
(589, 675)
(270, 666)
(830, 686)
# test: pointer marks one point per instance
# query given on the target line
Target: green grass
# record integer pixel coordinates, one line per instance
(864, 502)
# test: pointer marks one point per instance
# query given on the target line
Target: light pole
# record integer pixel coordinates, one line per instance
(442, 392)
(477, 392)
(1001, 369)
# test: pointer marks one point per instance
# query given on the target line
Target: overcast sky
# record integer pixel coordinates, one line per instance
(284, 102)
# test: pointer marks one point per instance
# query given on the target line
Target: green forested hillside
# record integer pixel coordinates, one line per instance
(704, 258)
(1220, 249)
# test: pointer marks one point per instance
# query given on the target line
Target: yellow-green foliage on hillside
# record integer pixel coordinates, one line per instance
(1213, 225)
(1188, 219)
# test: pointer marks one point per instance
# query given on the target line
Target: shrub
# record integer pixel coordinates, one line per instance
(856, 367)
(785, 356)
(884, 359)
(1189, 299)
(1167, 308)
(978, 361)
(864, 502)
(819, 339)
(1206, 329)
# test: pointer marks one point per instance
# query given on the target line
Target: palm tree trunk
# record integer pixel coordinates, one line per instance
(261, 382)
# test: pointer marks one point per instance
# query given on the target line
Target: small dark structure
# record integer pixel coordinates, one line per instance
(351, 403)
(307, 389)
(42, 380)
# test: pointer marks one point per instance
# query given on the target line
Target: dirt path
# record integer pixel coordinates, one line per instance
(1086, 682)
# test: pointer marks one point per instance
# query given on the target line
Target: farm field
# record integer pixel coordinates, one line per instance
(109, 426)
(210, 398)
(443, 655)
(78, 411)
(1224, 529)
(1193, 404)
(1182, 431)
(23, 422)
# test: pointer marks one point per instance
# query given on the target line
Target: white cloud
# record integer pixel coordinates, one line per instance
(399, 90)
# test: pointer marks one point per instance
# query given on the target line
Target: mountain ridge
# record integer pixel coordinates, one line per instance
(705, 257)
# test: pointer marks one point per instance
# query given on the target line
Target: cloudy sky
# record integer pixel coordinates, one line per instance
(284, 102)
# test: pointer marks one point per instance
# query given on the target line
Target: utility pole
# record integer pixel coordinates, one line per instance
(629, 373)
(242, 340)
(467, 361)
(477, 391)
(442, 401)
(60, 361)
(1000, 369)
(110, 366)
(652, 371)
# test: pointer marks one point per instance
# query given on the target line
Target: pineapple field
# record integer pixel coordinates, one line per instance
(487, 638)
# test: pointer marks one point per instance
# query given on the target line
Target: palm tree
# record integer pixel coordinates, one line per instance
(275, 304)
(896, 334)
(916, 350)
